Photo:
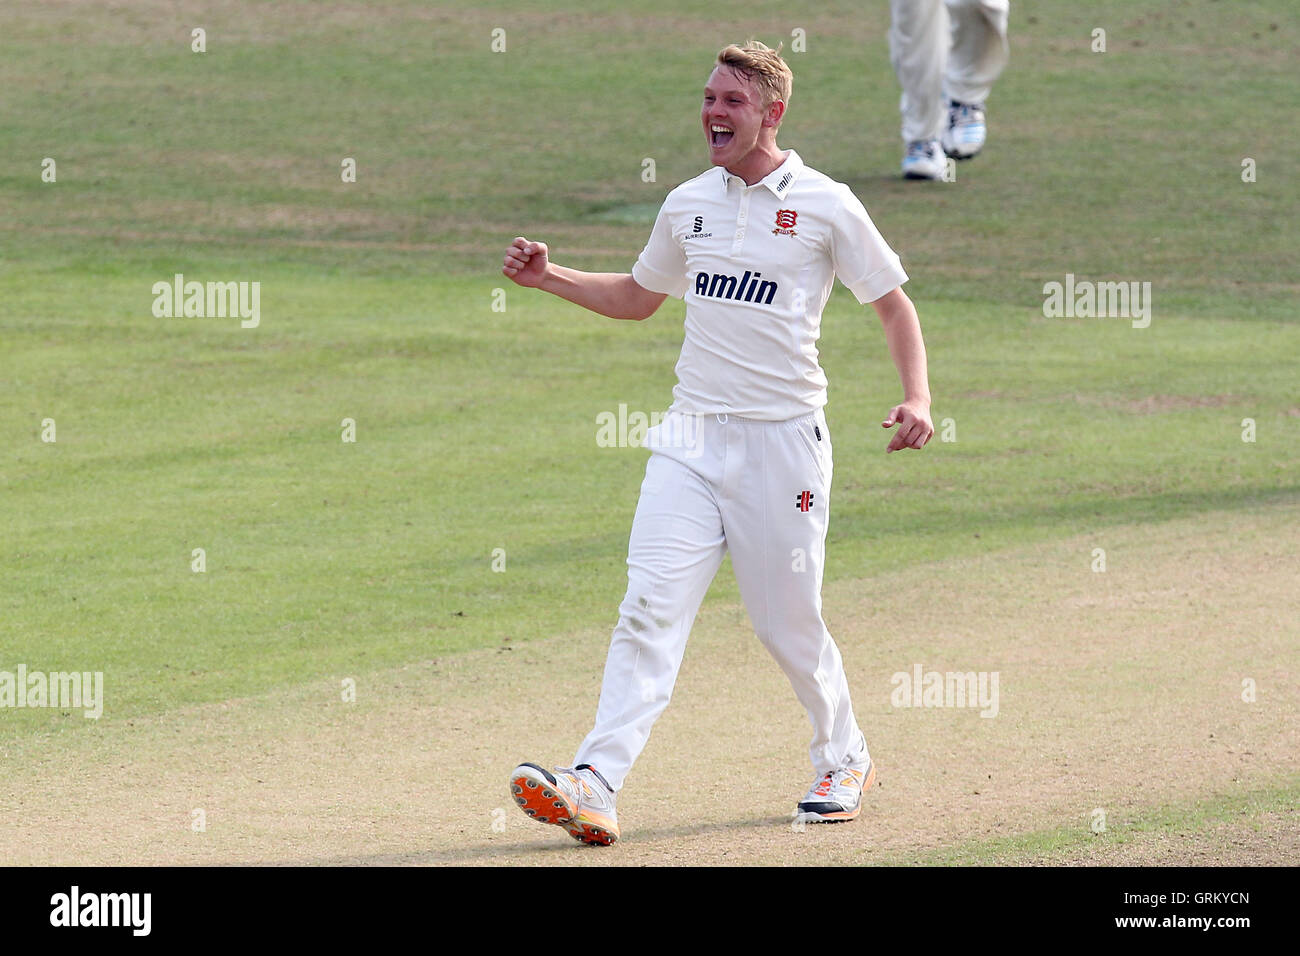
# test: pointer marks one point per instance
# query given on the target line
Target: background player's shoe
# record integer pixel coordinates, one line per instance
(836, 797)
(576, 798)
(923, 160)
(965, 134)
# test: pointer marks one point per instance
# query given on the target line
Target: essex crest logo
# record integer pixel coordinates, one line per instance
(785, 220)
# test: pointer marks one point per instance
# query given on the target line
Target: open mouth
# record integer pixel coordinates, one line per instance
(720, 136)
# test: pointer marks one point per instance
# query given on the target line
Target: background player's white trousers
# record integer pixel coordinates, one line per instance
(942, 50)
(760, 490)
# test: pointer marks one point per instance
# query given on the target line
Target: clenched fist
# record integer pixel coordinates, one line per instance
(526, 262)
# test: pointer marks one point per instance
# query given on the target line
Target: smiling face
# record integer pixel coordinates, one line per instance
(740, 131)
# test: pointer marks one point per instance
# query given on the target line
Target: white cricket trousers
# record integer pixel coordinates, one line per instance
(761, 490)
(945, 50)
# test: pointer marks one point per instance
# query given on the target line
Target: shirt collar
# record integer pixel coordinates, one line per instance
(780, 180)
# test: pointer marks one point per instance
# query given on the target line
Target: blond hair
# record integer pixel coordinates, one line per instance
(763, 66)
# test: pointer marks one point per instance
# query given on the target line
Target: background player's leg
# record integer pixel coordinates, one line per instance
(979, 48)
(673, 553)
(918, 48)
(777, 539)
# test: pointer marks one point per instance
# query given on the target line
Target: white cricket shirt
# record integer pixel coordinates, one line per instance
(755, 265)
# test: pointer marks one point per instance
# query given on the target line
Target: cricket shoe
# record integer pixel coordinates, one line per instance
(924, 160)
(576, 798)
(965, 134)
(835, 797)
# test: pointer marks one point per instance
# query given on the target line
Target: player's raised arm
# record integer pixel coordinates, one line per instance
(615, 294)
(907, 349)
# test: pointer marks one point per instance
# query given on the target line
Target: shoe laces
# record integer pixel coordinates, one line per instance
(582, 785)
(920, 148)
(823, 786)
(963, 111)
(828, 781)
(574, 778)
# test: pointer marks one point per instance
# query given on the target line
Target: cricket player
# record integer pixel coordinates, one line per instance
(742, 460)
(946, 55)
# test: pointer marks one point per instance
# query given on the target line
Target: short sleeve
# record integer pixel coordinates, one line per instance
(661, 267)
(863, 260)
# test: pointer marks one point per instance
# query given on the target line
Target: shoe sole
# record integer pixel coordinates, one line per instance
(587, 830)
(922, 176)
(954, 152)
(844, 816)
(535, 791)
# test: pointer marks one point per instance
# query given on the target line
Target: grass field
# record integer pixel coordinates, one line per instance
(372, 561)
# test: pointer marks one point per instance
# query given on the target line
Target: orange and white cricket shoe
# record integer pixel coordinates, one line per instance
(576, 798)
(836, 797)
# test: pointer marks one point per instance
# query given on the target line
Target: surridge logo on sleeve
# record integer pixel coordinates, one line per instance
(785, 220)
(748, 288)
(697, 230)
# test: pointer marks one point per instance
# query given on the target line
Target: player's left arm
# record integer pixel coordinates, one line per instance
(907, 349)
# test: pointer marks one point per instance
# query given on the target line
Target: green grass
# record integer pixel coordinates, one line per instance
(1178, 821)
(476, 428)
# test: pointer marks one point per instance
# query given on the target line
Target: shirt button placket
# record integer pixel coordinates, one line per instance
(741, 219)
